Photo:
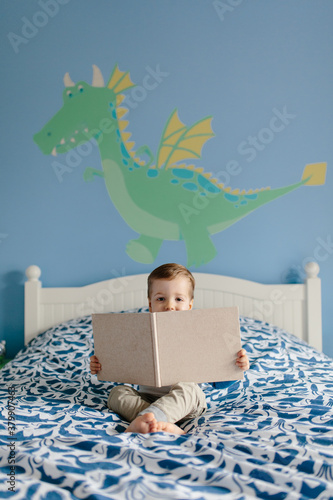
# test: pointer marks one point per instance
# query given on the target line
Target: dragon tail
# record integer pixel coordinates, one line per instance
(314, 174)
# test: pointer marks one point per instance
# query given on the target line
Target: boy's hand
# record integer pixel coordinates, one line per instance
(242, 360)
(95, 365)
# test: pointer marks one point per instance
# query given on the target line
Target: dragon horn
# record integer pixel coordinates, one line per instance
(98, 80)
(68, 81)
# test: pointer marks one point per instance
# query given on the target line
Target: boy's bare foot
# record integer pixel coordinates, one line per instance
(167, 427)
(147, 423)
(143, 424)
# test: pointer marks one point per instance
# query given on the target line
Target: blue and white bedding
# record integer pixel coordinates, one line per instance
(268, 436)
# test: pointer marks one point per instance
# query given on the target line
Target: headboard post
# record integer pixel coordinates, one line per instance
(314, 322)
(32, 289)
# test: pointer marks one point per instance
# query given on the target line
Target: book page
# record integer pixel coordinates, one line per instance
(199, 345)
(123, 345)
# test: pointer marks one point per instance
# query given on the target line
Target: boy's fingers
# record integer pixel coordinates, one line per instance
(94, 365)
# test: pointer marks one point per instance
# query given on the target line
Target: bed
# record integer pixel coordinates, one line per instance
(267, 436)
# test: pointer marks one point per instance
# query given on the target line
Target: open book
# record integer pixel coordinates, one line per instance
(164, 348)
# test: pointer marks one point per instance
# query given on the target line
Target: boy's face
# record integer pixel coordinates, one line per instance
(170, 295)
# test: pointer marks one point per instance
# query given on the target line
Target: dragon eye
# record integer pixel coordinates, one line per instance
(80, 88)
(69, 93)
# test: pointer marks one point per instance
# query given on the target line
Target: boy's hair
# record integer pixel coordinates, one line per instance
(169, 272)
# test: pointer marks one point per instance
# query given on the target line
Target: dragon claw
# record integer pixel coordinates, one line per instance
(90, 172)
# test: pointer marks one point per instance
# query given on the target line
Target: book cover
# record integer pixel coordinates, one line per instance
(164, 348)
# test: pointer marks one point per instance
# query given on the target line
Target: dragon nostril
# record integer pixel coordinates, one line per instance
(49, 134)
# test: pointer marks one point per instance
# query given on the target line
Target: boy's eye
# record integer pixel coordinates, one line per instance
(160, 299)
(179, 299)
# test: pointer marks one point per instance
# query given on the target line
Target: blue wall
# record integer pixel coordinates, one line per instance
(234, 60)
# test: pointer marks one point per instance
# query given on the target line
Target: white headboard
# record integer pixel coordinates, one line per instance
(295, 307)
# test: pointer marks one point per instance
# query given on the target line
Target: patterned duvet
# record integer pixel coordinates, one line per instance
(269, 436)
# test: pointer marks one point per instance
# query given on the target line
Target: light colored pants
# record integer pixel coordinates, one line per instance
(184, 401)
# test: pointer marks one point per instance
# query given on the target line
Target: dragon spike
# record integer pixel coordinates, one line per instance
(119, 80)
(98, 80)
(68, 81)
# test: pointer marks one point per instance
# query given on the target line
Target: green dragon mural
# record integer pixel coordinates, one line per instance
(161, 197)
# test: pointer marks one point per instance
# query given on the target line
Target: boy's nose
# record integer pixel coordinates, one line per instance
(169, 306)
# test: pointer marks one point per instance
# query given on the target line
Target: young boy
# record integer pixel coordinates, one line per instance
(155, 409)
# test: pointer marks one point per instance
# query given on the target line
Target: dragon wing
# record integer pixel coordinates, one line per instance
(180, 142)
